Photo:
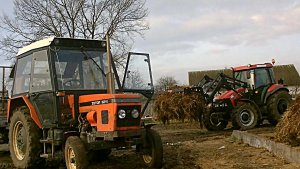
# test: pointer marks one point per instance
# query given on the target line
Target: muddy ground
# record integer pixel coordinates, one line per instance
(186, 146)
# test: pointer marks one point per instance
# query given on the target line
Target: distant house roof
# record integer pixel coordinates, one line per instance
(286, 72)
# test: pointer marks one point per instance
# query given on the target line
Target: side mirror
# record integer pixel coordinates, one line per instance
(128, 72)
(248, 75)
(280, 81)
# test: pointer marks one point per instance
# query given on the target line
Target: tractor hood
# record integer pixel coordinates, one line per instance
(99, 99)
(231, 94)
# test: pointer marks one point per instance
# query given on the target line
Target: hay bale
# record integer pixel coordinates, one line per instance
(194, 106)
(288, 129)
(179, 106)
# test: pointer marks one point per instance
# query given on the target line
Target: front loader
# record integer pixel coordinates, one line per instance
(68, 103)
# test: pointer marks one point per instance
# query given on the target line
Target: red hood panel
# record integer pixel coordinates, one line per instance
(229, 93)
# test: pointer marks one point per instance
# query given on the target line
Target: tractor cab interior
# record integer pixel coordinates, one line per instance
(80, 70)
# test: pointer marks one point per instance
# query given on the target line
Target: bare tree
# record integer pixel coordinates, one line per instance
(164, 82)
(89, 19)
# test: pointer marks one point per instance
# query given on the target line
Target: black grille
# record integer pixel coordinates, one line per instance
(128, 120)
(104, 116)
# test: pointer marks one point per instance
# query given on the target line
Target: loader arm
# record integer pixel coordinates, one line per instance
(209, 87)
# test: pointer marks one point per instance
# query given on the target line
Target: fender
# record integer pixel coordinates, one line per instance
(22, 101)
(253, 103)
(147, 122)
(272, 89)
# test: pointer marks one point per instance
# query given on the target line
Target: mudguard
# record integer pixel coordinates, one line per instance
(273, 89)
(148, 122)
(21, 101)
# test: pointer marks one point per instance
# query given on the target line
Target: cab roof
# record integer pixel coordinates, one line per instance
(35, 45)
(58, 41)
(254, 66)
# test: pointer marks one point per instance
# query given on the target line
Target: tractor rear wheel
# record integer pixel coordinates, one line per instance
(75, 153)
(153, 149)
(244, 117)
(24, 140)
(213, 122)
(277, 105)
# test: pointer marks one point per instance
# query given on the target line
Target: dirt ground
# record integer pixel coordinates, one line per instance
(188, 147)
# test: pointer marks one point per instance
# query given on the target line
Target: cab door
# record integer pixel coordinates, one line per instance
(138, 76)
(41, 89)
(262, 83)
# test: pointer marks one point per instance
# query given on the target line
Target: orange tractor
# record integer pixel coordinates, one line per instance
(68, 103)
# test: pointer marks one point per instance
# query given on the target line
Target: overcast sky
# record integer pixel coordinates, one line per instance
(192, 35)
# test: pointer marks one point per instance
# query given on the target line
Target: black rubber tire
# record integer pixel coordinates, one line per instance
(213, 124)
(154, 156)
(29, 157)
(277, 105)
(75, 146)
(4, 136)
(244, 110)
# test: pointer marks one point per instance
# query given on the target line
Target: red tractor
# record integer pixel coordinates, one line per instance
(68, 103)
(252, 96)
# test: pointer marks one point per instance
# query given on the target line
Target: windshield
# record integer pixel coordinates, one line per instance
(80, 70)
(245, 76)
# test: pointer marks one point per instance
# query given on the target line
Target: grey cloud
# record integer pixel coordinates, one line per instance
(229, 23)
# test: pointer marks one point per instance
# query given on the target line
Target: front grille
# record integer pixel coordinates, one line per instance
(128, 120)
(104, 116)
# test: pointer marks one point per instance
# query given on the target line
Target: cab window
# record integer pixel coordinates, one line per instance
(262, 77)
(22, 77)
(41, 79)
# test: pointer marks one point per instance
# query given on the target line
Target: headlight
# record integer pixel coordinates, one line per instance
(121, 114)
(135, 113)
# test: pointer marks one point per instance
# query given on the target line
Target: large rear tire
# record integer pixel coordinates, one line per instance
(24, 140)
(213, 122)
(277, 104)
(244, 117)
(153, 150)
(75, 153)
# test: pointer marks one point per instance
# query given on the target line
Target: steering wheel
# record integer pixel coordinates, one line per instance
(72, 83)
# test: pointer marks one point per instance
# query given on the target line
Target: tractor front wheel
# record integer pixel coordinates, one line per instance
(24, 140)
(152, 149)
(277, 105)
(213, 121)
(245, 117)
(75, 153)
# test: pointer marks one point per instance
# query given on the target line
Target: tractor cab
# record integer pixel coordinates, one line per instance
(58, 73)
(260, 80)
(256, 76)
